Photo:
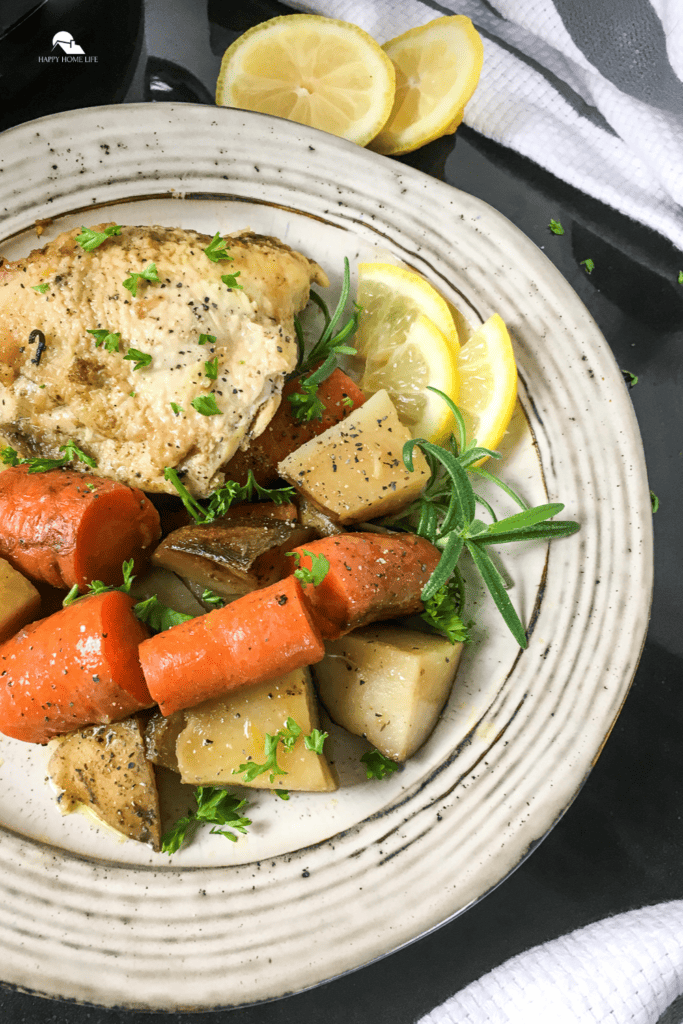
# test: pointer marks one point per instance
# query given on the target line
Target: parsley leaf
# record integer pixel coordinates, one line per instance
(42, 288)
(72, 453)
(556, 227)
(654, 501)
(227, 495)
(206, 405)
(317, 572)
(589, 265)
(442, 612)
(207, 339)
(211, 368)
(630, 378)
(252, 769)
(158, 616)
(315, 740)
(214, 807)
(148, 273)
(141, 359)
(208, 597)
(177, 409)
(680, 276)
(89, 239)
(98, 587)
(104, 337)
(231, 280)
(287, 736)
(217, 249)
(377, 766)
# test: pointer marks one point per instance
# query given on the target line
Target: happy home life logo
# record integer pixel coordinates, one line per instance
(71, 53)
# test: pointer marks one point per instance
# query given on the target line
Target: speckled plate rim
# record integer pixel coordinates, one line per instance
(204, 938)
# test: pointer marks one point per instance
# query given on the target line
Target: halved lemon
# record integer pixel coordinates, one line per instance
(488, 383)
(437, 70)
(408, 341)
(318, 71)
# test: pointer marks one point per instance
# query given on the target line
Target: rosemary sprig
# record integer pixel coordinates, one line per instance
(445, 514)
(322, 358)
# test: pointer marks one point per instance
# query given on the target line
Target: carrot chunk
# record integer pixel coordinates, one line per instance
(67, 528)
(371, 577)
(78, 667)
(261, 635)
(284, 434)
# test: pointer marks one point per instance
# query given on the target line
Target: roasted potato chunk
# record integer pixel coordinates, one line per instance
(104, 768)
(19, 601)
(387, 684)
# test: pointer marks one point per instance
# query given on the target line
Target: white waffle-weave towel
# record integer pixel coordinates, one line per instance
(592, 90)
(626, 969)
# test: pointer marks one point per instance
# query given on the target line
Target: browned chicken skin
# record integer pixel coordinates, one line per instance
(136, 417)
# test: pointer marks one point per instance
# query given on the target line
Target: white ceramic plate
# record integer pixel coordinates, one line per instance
(326, 883)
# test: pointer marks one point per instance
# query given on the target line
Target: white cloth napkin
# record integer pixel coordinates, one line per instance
(592, 90)
(626, 969)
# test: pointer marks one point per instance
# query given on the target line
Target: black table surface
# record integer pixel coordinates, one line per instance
(618, 847)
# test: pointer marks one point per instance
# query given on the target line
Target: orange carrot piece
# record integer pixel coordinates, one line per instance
(78, 667)
(260, 636)
(284, 434)
(64, 527)
(372, 576)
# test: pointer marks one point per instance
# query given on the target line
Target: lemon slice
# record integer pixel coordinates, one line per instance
(318, 71)
(488, 383)
(437, 70)
(408, 341)
(423, 358)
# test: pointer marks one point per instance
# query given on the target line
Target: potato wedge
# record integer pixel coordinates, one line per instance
(354, 471)
(104, 768)
(387, 684)
(19, 601)
(223, 733)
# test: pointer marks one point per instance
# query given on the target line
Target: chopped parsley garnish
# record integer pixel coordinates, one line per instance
(215, 807)
(72, 453)
(318, 571)
(141, 359)
(148, 273)
(207, 339)
(654, 501)
(589, 266)
(89, 239)
(106, 338)
(158, 616)
(211, 368)
(42, 288)
(215, 600)
(206, 405)
(680, 276)
(177, 409)
(442, 612)
(231, 280)
(556, 227)
(217, 249)
(98, 587)
(377, 766)
(630, 378)
(227, 495)
(287, 737)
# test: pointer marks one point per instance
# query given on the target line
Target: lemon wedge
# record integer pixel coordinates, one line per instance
(488, 383)
(318, 71)
(408, 341)
(437, 70)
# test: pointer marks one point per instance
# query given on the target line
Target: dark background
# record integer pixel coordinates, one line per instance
(619, 846)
